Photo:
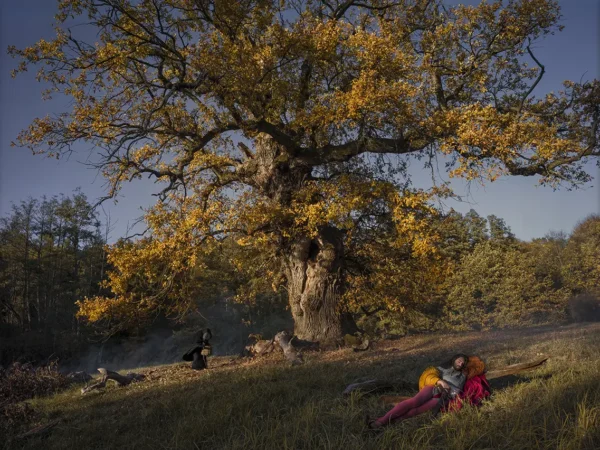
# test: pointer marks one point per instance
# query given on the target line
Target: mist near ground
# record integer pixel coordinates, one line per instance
(229, 324)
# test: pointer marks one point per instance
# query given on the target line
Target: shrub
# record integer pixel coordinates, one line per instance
(23, 381)
(584, 308)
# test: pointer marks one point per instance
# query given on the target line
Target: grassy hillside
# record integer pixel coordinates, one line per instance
(265, 404)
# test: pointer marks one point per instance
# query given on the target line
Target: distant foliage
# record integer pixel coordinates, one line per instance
(498, 287)
(51, 254)
(581, 268)
(549, 254)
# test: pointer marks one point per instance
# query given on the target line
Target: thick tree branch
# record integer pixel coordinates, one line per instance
(345, 152)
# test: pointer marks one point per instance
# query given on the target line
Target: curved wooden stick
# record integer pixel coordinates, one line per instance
(515, 368)
(39, 430)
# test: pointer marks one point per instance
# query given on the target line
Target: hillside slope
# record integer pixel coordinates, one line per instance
(265, 404)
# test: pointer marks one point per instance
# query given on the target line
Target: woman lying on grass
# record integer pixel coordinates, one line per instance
(438, 386)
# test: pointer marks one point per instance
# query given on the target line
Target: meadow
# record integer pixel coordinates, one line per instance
(263, 403)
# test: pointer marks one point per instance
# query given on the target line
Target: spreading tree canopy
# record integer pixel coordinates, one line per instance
(288, 125)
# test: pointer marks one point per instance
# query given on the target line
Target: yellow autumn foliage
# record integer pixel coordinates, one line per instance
(278, 121)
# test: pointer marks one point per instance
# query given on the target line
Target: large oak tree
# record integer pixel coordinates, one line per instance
(288, 124)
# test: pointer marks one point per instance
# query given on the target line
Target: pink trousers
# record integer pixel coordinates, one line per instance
(420, 403)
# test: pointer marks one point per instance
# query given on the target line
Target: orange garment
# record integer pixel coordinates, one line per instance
(429, 377)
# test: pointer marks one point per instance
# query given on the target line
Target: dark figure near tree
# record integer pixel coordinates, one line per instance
(199, 353)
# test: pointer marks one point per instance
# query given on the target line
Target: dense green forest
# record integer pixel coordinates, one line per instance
(53, 254)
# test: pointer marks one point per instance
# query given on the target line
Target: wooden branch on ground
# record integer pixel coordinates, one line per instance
(515, 368)
(121, 380)
(40, 430)
(260, 347)
(99, 385)
(290, 345)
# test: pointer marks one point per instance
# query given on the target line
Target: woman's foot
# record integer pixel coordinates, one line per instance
(373, 424)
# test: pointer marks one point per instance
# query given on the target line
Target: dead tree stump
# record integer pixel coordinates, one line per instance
(121, 380)
(284, 340)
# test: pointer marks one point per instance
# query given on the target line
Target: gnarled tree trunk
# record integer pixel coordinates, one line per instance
(315, 285)
(314, 265)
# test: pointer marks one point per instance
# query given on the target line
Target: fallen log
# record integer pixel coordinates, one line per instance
(99, 385)
(515, 368)
(284, 340)
(260, 347)
(306, 346)
(121, 380)
(493, 374)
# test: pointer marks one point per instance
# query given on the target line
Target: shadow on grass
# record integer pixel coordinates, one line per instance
(485, 343)
(509, 380)
(276, 406)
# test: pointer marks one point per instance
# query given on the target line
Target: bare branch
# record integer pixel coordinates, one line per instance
(542, 71)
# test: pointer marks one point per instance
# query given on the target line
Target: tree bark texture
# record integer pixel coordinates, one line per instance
(314, 265)
(315, 286)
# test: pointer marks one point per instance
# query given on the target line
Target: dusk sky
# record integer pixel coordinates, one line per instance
(529, 210)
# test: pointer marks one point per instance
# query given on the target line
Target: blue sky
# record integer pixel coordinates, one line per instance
(531, 211)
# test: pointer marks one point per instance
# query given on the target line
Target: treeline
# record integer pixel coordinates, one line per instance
(480, 277)
(52, 253)
(493, 279)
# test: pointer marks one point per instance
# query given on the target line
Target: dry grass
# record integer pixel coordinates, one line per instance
(265, 404)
